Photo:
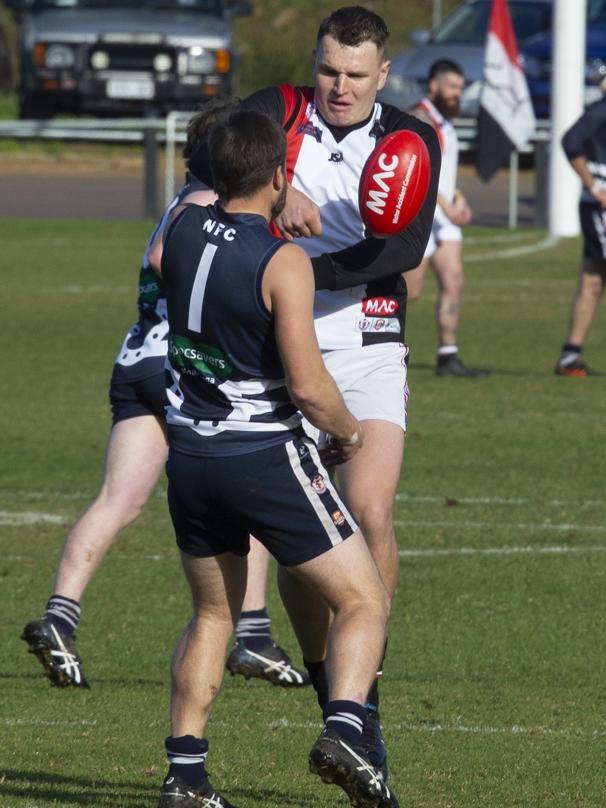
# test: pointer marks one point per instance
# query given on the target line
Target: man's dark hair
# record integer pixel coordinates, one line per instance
(245, 151)
(442, 66)
(195, 150)
(353, 25)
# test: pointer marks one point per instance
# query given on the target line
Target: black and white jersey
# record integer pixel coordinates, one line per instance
(325, 163)
(587, 138)
(144, 347)
(226, 393)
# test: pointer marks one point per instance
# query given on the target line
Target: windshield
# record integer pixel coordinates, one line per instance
(468, 25)
(214, 6)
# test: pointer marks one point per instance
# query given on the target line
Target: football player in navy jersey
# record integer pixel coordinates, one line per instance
(135, 459)
(360, 301)
(244, 367)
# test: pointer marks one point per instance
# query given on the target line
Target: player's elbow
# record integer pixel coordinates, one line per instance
(303, 393)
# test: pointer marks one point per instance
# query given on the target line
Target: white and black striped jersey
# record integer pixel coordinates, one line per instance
(226, 393)
(361, 297)
(144, 347)
(587, 138)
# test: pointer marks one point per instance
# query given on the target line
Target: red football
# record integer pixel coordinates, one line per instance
(394, 183)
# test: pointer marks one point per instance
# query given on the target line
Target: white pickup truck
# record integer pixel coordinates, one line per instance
(123, 57)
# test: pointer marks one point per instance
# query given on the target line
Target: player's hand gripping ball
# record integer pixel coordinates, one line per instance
(394, 183)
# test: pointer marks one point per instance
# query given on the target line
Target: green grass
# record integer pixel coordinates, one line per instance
(493, 694)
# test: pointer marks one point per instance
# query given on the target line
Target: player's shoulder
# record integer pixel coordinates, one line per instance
(394, 119)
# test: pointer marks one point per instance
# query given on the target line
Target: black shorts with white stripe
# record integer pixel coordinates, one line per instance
(593, 227)
(282, 495)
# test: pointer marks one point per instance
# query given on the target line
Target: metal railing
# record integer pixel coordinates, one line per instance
(171, 132)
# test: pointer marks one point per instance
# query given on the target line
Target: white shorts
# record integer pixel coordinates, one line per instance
(442, 230)
(372, 381)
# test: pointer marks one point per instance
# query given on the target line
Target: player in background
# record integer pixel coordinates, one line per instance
(360, 302)
(585, 147)
(444, 251)
(245, 363)
(135, 458)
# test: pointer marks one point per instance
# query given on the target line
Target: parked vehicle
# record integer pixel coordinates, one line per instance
(536, 53)
(123, 56)
(462, 37)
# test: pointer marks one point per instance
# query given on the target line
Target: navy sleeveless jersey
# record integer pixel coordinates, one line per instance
(144, 347)
(226, 388)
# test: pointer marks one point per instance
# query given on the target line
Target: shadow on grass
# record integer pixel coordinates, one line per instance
(51, 787)
(73, 791)
(122, 681)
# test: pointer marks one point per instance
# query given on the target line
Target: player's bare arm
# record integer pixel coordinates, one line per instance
(195, 198)
(288, 290)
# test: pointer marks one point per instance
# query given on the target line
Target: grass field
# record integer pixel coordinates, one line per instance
(494, 693)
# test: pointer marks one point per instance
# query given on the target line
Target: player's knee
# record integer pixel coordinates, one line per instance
(122, 504)
(593, 284)
(376, 521)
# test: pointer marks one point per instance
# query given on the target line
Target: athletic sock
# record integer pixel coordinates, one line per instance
(64, 613)
(319, 680)
(347, 718)
(186, 756)
(446, 352)
(253, 629)
(570, 353)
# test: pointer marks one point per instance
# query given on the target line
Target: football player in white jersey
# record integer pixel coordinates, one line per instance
(361, 298)
(444, 251)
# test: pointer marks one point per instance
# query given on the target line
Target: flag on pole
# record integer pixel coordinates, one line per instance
(506, 120)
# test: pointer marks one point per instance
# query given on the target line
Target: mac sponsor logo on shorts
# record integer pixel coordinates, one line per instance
(318, 484)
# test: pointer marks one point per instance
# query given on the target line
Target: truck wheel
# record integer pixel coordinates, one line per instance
(35, 107)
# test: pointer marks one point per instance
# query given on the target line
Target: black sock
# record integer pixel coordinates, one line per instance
(186, 756)
(254, 629)
(570, 353)
(317, 674)
(346, 718)
(64, 613)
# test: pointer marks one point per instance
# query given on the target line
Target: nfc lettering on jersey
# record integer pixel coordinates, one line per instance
(380, 306)
(215, 228)
(378, 197)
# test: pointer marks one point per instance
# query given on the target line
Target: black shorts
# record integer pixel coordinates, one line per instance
(593, 225)
(142, 397)
(282, 495)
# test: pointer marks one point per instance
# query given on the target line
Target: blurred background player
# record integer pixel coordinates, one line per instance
(135, 458)
(585, 147)
(245, 363)
(444, 251)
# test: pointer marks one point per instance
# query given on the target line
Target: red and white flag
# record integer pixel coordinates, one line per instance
(506, 120)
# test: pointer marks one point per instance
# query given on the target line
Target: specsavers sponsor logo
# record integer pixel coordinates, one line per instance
(197, 358)
(150, 287)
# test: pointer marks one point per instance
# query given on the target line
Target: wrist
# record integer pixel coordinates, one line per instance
(351, 441)
(596, 188)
